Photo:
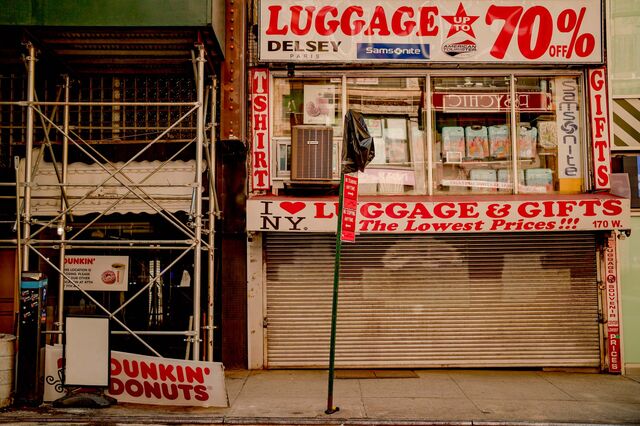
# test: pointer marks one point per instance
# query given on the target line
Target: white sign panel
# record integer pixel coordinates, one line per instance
(140, 379)
(536, 214)
(568, 128)
(96, 273)
(500, 31)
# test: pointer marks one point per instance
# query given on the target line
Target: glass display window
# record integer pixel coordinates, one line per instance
(471, 119)
(473, 140)
(550, 134)
(392, 108)
(436, 134)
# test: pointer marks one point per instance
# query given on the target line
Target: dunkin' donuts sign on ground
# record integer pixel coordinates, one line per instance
(143, 379)
(499, 31)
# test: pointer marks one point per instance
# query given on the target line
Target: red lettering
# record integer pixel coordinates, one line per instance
(439, 210)
(468, 210)
(194, 374)
(130, 368)
(272, 29)
(369, 214)
(260, 121)
(323, 27)
(262, 177)
(596, 79)
(565, 207)
(495, 211)
(599, 124)
(396, 214)
(589, 207)
(260, 140)
(260, 103)
(378, 22)
(349, 27)
(152, 389)
(295, 19)
(170, 391)
(201, 393)
(427, 21)
(116, 387)
(321, 214)
(260, 159)
(612, 207)
(133, 388)
(116, 368)
(529, 209)
(398, 26)
(602, 176)
(186, 391)
(166, 373)
(420, 210)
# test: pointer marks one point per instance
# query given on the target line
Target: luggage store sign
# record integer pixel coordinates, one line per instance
(532, 215)
(500, 31)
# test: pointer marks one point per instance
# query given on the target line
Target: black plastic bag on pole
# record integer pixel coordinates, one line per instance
(357, 144)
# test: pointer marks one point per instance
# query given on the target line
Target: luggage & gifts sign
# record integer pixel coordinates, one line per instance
(524, 215)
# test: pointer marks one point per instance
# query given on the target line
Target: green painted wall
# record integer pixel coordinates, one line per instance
(630, 292)
(101, 13)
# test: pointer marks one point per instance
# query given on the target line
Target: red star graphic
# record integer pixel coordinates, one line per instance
(461, 22)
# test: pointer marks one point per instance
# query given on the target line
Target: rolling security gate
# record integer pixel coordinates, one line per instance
(485, 300)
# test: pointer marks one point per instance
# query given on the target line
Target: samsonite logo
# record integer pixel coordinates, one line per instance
(392, 51)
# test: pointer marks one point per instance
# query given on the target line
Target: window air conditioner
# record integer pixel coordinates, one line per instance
(311, 152)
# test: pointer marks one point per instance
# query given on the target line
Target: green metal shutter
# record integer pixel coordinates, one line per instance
(483, 300)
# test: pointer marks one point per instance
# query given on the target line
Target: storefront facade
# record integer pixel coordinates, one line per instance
(486, 222)
(624, 17)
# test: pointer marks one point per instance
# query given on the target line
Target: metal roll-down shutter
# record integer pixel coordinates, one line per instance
(483, 300)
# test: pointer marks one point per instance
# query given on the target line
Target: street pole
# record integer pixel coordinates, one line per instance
(334, 310)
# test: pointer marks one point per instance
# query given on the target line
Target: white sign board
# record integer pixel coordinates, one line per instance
(533, 213)
(96, 273)
(86, 351)
(499, 31)
(151, 380)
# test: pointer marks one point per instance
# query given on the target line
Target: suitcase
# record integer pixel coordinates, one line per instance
(527, 140)
(453, 142)
(499, 142)
(539, 177)
(477, 142)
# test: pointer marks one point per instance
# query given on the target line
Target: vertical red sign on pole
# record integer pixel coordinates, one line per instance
(260, 129)
(613, 307)
(349, 208)
(600, 138)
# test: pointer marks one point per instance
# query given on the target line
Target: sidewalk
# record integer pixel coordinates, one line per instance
(487, 397)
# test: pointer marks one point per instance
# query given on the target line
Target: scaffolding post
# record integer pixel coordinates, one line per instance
(212, 221)
(197, 262)
(62, 225)
(31, 70)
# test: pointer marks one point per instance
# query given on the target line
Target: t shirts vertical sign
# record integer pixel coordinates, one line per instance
(349, 208)
(260, 175)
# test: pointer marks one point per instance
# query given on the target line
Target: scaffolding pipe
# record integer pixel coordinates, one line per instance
(212, 228)
(31, 71)
(113, 175)
(198, 212)
(96, 104)
(62, 227)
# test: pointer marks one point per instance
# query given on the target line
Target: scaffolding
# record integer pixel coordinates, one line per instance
(132, 122)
